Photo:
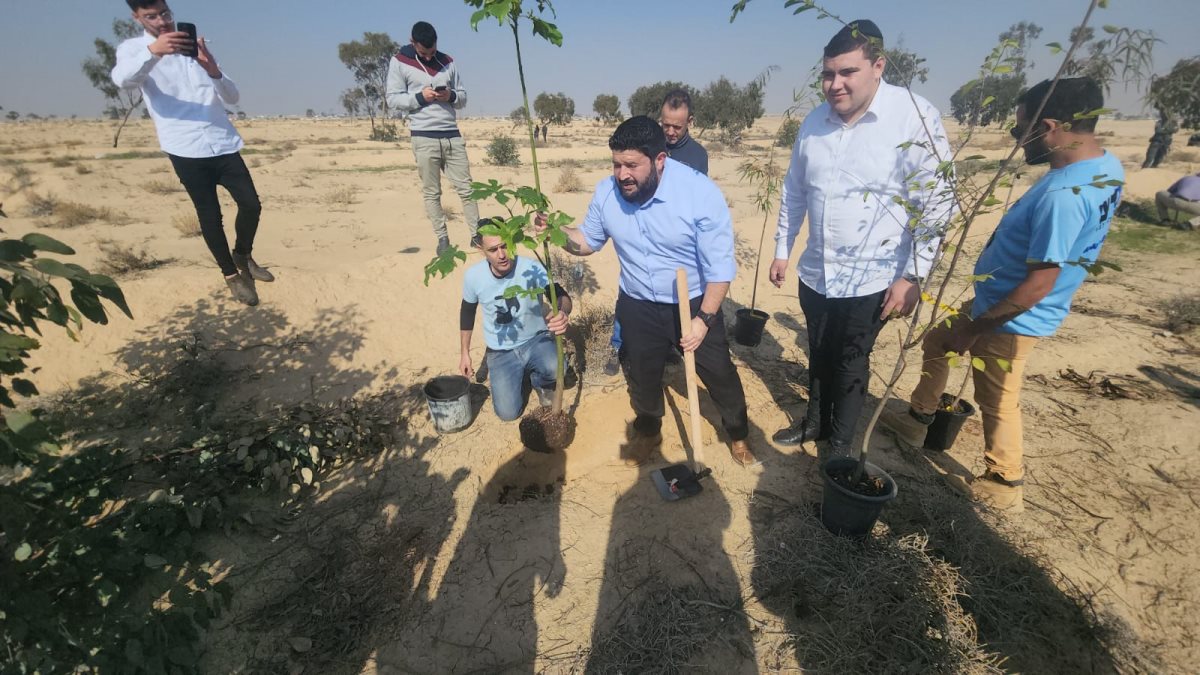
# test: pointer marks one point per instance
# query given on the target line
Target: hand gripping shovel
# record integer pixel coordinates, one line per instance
(678, 481)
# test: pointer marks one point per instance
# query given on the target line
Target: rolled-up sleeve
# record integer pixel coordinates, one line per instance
(593, 223)
(714, 238)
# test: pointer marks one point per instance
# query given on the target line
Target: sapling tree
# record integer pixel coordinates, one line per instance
(525, 202)
(969, 199)
(98, 70)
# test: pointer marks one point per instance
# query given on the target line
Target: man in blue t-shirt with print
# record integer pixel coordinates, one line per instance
(1031, 267)
(519, 336)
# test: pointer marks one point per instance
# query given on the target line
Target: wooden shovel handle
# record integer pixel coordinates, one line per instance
(689, 364)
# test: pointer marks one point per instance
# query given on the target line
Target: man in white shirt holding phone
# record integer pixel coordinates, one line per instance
(867, 145)
(186, 93)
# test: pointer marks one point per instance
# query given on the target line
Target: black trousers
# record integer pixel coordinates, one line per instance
(200, 177)
(649, 331)
(841, 335)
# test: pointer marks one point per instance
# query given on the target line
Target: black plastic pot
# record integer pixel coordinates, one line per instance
(946, 424)
(845, 512)
(749, 326)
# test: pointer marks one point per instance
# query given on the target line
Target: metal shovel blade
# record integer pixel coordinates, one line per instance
(678, 481)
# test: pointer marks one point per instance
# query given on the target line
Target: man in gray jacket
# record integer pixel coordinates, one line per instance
(424, 83)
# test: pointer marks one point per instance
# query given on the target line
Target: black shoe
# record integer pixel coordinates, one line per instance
(797, 434)
(442, 245)
(242, 287)
(247, 266)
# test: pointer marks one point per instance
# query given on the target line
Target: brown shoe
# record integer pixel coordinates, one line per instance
(740, 451)
(991, 490)
(638, 450)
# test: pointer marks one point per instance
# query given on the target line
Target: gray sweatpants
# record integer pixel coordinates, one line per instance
(433, 156)
(1166, 203)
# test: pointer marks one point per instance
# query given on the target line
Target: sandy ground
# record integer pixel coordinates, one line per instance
(499, 560)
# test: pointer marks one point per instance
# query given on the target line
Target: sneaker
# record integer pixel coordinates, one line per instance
(991, 490)
(443, 244)
(242, 287)
(247, 265)
(905, 427)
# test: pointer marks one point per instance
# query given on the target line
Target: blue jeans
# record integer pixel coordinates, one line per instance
(507, 369)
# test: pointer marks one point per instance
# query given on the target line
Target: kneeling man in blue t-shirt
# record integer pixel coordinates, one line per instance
(1028, 272)
(518, 330)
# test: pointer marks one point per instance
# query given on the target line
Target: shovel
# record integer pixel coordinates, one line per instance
(678, 481)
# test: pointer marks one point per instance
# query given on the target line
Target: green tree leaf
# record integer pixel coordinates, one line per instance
(42, 242)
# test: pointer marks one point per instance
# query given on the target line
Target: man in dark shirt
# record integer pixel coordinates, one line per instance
(675, 118)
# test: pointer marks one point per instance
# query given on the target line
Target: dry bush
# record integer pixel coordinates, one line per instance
(1182, 312)
(162, 187)
(82, 169)
(343, 196)
(883, 605)
(568, 181)
(188, 224)
(120, 260)
(1188, 156)
(74, 214)
(41, 206)
(591, 334)
(715, 147)
(61, 162)
(20, 177)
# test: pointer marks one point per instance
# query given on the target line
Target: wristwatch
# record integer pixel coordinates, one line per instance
(913, 279)
(706, 317)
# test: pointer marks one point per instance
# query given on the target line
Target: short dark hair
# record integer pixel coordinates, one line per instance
(135, 5)
(858, 34)
(424, 34)
(1072, 96)
(678, 98)
(639, 133)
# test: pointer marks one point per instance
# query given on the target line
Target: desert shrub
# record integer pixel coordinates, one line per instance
(188, 224)
(787, 133)
(1182, 312)
(162, 187)
(120, 259)
(344, 196)
(82, 169)
(1189, 156)
(502, 151)
(41, 206)
(568, 181)
(60, 162)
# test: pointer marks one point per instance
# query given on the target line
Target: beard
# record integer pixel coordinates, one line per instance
(644, 190)
(1037, 152)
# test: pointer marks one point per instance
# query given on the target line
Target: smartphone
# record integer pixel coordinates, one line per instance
(440, 89)
(190, 29)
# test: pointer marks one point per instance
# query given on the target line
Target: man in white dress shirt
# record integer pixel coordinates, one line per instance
(186, 96)
(869, 143)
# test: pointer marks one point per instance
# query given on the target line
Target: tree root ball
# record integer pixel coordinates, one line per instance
(544, 431)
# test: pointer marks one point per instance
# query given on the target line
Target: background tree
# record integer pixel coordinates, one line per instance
(904, 66)
(354, 101)
(608, 108)
(519, 116)
(1124, 54)
(730, 108)
(993, 97)
(648, 99)
(98, 71)
(368, 62)
(13, 115)
(554, 108)
(1178, 92)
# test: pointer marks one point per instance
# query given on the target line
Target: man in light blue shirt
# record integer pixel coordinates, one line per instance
(1028, 272)
(662, 216)
(520, 339)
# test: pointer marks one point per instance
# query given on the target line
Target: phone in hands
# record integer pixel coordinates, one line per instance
(190, 29)
(441, 88)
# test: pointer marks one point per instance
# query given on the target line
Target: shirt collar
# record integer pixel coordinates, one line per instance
(682, 142)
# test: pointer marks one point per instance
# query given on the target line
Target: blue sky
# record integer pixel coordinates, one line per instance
(283, 54)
